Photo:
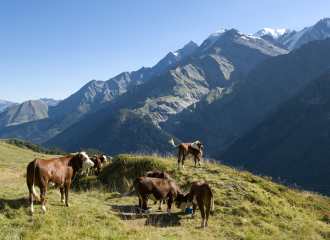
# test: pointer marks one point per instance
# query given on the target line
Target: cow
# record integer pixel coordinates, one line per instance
(54, 173)
(163, 175)
(98, 160)
(95, 170)
(189, 150)
(156, 189)
(200, 194)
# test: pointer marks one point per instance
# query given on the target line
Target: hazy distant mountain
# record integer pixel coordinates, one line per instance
(50, 101)
(124, 132)
(24, 112)
(5, 104)
(292, 142)
(292, 39)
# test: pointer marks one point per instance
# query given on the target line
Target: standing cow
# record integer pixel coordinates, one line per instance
(201, 195)
(54, 173)
(156, 189)
(163, 175)
(189, 150)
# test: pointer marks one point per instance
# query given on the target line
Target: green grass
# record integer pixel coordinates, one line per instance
(246, 206)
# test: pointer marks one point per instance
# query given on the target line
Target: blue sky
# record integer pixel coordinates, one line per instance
(50, 49)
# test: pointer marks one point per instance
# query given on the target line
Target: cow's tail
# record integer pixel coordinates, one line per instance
(33, 190)
(172, 142)
(126, 193)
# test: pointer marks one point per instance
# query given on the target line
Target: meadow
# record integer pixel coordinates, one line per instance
(246, 206)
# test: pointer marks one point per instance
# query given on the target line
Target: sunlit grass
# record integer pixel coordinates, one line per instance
(246, 206)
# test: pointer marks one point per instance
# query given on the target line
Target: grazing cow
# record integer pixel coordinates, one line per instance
(156, 189)
(189, 150)
(201, 195)
(163, 175)
(54, 173)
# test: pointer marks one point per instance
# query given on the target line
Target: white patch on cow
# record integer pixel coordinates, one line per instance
(34, 192)
(169, 212)
(43, 209)
(194, 200)
(194, 145)
(182, 166)
(62, 200)
(148, 212)
(31, 208)
(203, 223)
(105, 158)
(152, 197)
(160, 204)
(206, 223)
(86, 161)
(183, 206)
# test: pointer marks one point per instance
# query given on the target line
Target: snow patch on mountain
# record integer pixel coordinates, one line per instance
(275, 33)
(296, 37)
(214, 37)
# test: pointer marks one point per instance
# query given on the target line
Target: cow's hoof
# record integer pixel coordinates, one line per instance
(31, 213)
(159, 208)
(68, 205)
(155, 202)
(62, 201)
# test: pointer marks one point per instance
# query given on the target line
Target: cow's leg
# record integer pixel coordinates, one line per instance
(145, 206)
(66, 190)
(160, 204)
(194, 210)
(43, 191)
(62, 194)
(31, 202)
(140, 204)
(183, 159)
(179, 158)
(199, 161)
(195, 162)
(169, 204)
(207, 214)
(201, 208)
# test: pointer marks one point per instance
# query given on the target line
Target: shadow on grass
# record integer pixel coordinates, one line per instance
(14, 203)
(157, 218)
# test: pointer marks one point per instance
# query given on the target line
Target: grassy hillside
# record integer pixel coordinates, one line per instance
(246, 206)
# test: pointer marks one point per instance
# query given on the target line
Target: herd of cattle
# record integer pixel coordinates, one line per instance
(157, 186)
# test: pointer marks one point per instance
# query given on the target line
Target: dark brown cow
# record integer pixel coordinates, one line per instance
(189, 150)
(54, 173)
(163, 175)
(201, 195)
(156, 189)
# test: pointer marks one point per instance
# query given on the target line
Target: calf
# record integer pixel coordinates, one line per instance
(155, 189)
(163, 175)
(54, 173)
(189, 150)
(201, 195)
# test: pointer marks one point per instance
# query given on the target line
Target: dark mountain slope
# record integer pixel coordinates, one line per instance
(293, 142)
(221, 118)
(123, 132)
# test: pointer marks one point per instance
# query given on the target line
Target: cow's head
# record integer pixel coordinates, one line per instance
(86, 162)
(181, 201)
(200, 146)
(149, 174)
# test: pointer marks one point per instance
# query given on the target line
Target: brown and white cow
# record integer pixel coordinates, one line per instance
(98, 160)
(201, 195)
(54, 173)
(163, 175)
(156, 189)
(189, 150)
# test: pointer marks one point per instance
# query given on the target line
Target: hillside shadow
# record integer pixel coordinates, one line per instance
(158, 218)
(14, 203)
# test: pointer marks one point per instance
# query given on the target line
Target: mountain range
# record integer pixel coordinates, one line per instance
(216, 93)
